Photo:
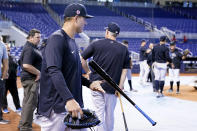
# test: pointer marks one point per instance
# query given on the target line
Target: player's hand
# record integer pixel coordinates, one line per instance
(5, 76)
(116, 92)
(184, 57)
(148, 50)
(96, 86)
(87, 75)
(74, 109)
(172, 66)
(37, 77)
(89, 72)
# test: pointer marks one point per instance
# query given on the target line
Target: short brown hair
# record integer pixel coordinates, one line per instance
(125, 42)
(32, 33)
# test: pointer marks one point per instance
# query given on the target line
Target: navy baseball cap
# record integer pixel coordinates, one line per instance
(113, 27)
(143, 40)
(76, 9)
(163, 38)
(172, 43)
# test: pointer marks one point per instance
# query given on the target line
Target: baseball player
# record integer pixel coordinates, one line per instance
(150, 62)
(144, 68)
(10, 83)
(106, 52)
(174, 71)
(61, 77)
(160, 57)
(3, 76)
(126, 43)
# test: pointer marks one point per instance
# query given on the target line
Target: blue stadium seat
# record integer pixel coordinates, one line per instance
(28, 16)
(162, 18)
(102, 17)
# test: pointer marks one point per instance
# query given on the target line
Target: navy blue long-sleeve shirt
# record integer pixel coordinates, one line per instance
(61, 77)
(160, 54)
(143, 53)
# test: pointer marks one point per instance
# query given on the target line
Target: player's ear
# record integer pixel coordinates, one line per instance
(107, 32)
(76, 18)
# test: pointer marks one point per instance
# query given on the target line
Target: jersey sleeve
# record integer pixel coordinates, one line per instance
(28, 57)
(153, 55)
(126, 61)
(88, 52)
(167, 55)
(180, 55)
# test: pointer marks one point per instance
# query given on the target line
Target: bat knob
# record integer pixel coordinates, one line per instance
(154, 123)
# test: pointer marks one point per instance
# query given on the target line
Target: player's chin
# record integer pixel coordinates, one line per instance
(79, 30)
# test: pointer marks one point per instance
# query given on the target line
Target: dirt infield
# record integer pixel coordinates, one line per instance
(14, 119)
(186, 93)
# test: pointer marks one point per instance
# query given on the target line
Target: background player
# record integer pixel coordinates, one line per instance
(174, 72)
(3, 76)
(144, 68)
(160, 56)
(106, 52)
(150, 63)
(10, 83)
(129, 71)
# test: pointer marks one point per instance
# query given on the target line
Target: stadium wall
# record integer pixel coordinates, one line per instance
(162, 2)
(14, 35)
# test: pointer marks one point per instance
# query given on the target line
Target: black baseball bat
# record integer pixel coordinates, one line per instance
(106, 77)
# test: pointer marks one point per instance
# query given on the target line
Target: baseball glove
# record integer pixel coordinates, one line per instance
(88, 120)
(186, 52)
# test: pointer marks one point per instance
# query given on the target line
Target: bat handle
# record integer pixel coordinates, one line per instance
(146, 116)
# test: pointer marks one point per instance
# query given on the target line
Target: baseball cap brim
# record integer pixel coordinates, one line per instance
(88, 16)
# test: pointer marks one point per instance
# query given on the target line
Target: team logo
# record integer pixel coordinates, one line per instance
(172, 55)
(78, 12)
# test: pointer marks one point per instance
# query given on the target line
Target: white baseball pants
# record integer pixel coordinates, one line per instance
(160, 71)
(174, 75)
(105, 105)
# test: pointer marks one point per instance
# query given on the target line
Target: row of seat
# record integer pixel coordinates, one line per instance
(162, 18)
(102, 17)
(31, 15)
(28, 16)
(134, 44)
